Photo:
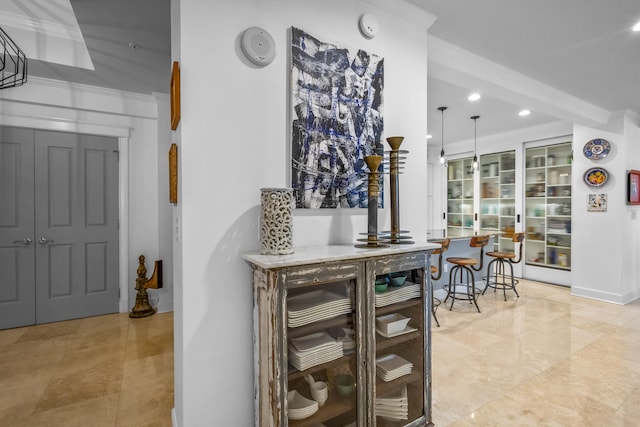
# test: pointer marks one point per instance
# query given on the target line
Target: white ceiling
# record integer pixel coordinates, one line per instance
(582, 50)
(129, 42)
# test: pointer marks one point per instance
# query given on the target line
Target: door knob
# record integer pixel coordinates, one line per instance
(26, 241)
(44, 241)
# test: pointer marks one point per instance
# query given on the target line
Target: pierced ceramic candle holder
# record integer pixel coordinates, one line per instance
(276, 221)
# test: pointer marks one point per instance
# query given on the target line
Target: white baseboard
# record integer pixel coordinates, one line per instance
(123, 305)
(597, 295)
(165, 304)
(174, 420)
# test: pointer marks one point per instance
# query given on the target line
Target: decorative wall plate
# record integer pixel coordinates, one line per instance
(596, 177)
(596, 149)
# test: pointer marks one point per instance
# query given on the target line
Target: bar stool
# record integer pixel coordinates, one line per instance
(457, 289)
(436, 273)
(499, 279)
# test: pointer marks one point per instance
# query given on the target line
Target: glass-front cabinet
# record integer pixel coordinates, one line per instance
(548, 206)
(400, 370)
(460, 194)
(342, 339)
(498, 196)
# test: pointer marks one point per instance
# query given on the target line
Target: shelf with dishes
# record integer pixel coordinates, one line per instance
(460, 194)
(338, 402)
(396, 328)
(325, 395)
(334, 408)
(408, 387)
(548, 207)
(399, 374)
(497, 194)
(321, 334)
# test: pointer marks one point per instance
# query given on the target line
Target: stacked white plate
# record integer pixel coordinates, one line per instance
(399, 294)
(314, 349)
(314, 306)
(393, 407)
(392, 366)
(299, 406)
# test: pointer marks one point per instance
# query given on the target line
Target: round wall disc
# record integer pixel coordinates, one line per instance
(258, 46)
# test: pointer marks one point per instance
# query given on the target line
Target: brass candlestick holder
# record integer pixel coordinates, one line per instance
(372, 241)
(142, 307)
(395, 164)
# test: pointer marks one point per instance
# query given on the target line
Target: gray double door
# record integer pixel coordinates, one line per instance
(58, 226)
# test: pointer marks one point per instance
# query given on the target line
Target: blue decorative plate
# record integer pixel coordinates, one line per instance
(596, 149)
(596, 177)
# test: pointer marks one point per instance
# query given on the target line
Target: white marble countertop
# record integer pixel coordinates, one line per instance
(315, 254)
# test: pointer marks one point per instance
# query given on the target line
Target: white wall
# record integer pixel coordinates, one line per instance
(234, 140)
(178, 306)
(55, 105)
(165, 210)
(605, 245)
(631, 221)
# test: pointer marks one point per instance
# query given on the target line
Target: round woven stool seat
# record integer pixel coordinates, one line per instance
(462, 261)
(502, 254)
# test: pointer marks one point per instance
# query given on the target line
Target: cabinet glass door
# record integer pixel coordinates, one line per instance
(548, 206)
(460, 194)
(399, 348)
(497, 196)
(321, 339)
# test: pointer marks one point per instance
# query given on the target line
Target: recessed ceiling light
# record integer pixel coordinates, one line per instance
(474, 97)
(524, 113)
(429, 136)
(636, 27)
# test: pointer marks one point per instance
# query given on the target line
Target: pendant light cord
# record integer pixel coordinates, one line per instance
(475, 141)
(442, 158)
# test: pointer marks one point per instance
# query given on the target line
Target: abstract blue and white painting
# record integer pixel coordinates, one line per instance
(336, 118)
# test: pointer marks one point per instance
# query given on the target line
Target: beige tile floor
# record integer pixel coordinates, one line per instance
(100, 371)
(544, 359)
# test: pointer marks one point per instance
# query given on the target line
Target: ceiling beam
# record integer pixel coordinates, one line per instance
(458, 66)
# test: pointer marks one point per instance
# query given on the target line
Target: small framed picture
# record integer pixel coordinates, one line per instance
(633, 187)
(175, 95)
(173, 174)
(597, 202)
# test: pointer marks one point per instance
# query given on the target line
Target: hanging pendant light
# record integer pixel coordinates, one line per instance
(442, 157)
(475, 145)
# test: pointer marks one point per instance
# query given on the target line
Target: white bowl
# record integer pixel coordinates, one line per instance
(319, 392)
(392, 323)
(300, 407)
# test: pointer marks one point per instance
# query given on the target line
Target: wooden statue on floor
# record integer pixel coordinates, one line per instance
(142, 307)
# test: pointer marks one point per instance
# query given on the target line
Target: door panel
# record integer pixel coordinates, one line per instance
(76, 223)
(17, 255)
(58, 226)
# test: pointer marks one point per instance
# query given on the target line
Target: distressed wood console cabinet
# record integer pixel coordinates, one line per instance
(315, 319)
